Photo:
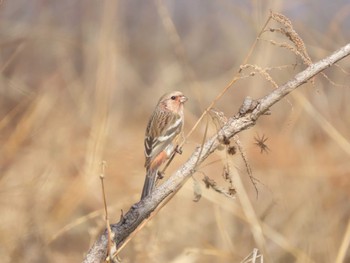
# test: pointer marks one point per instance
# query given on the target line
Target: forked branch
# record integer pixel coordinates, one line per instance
(250, 111)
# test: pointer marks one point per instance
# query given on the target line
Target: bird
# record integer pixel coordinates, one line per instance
(163, 128)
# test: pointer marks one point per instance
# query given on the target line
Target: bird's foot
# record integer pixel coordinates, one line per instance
(178, 150)
(160, 175)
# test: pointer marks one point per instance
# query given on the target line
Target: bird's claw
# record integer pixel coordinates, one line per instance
(178, 150)
(160, 175)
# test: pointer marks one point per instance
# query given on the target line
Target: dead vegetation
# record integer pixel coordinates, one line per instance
(77, 84)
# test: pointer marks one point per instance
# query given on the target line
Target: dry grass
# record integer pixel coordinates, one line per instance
(78, 82)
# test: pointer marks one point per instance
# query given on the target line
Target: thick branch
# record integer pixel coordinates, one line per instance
(246, 118)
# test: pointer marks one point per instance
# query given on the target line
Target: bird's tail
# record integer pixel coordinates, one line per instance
(150, 182)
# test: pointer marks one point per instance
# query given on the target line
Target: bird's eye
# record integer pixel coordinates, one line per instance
(173, 97)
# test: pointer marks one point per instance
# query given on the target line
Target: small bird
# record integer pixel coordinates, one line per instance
(163, 128)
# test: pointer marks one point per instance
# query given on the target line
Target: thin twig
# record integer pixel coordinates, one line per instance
(229, 85)
(110, 245)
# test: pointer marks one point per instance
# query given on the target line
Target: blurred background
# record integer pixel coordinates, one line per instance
(79, 80)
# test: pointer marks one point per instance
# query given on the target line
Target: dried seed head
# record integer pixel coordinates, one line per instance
(260, 142)
(231, 150)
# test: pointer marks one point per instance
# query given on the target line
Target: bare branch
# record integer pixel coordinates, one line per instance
(246, 118)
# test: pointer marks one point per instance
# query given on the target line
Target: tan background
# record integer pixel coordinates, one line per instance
(78, 82)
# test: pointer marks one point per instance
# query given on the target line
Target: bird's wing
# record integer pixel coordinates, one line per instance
(161, 130)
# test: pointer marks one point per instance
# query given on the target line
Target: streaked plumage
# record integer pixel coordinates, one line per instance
(164, 126)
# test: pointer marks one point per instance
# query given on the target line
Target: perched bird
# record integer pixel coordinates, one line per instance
(163, 127)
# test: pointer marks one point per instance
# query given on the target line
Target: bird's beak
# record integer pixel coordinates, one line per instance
(183, 99)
